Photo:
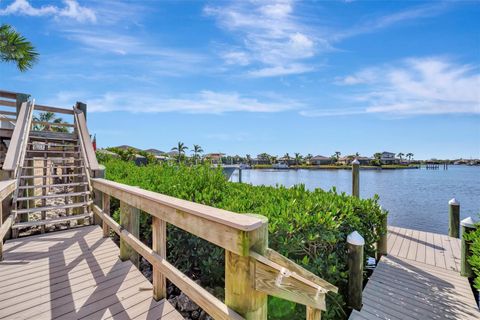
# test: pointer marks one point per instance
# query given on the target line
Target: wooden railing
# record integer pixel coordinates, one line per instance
(85, 141)
(6, 219)
(252, 270)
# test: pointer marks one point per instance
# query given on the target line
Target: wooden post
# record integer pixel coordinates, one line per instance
(106, 210)
(159, 245)
(355, 243)
(468, 226)
(454, 221)
(356, 178)
(240, 293)
(99, 197)
(129, 219)
(83, 107)
(1, 239)
(21, 98)
(382, 243)
(313, 314)
(240, 175)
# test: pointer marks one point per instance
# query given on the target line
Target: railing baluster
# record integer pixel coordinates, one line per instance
(106, 210)
(159, 245)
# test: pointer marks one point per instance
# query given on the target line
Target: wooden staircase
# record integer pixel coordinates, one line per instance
(53, 183)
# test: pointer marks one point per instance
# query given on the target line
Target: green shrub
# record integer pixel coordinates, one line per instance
(309, 227)
(474, 260)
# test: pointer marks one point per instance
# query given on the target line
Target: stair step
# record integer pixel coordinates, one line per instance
(53, 166)
(50, 135)
(73, 184)
(19, 225)
(51, 158)
(63, 206)
(54, 176)
(57, 195)
(53, 145)
(54, 151)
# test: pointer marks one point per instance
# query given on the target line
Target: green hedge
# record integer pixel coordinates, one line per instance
(474, 260)
(309, 227)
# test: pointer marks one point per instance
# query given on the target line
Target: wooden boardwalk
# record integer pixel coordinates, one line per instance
(419, 279)
(74, 274)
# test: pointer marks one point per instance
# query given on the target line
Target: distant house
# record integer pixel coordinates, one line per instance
(155, 152)
(109, 153)
(364, 160)
(290, 161)
(140, 160)
(389, 158)
(173, 154)
(345, 160)
(214, 157)
(318, 160)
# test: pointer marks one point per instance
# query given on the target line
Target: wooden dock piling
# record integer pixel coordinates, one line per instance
(356, 178)
(355, 243)
(468, 225)
(454, 218)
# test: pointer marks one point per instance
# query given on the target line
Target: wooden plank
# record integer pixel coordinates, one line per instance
(5, 227)
(421, 247)
(40, 107)
(292, 266)
(8, 94)
(275, 280)
(140, 309)
(313, 314)
(28, 224)
(412, 251)
(200, 296)
(159, 245)
(8, 103)
(106, 209)
(220, 227)
(398, 242)
(439, 251)
(18, 141)
(130, 220)
(403, 251)
(430, 250)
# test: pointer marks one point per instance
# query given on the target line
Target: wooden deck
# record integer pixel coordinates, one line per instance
(419, 279)
(74, 274)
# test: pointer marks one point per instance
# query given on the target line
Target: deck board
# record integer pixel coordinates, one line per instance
(74, 274)
(418, 279)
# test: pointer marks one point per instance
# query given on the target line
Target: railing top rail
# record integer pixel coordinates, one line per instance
(53, 109)
(84, 136)
(237, 221)
(6, 188)
(8, 94)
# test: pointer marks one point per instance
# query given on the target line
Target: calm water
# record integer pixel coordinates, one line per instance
(415, 199)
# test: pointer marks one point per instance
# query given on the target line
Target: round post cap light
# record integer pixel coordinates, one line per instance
(468, 222)
(355, 161)
(356, 239)
(454, 202)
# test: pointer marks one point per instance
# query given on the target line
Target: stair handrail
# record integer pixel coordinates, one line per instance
(86, 142)
(18, 143)
(81, 145)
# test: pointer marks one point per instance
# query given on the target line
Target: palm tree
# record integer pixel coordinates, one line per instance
(400, 155)
(287, 157)
(337, 154)
(298, 158)
(196, 151)
(49, 119)
(249, 159)
(409, 156)
(16, 48)
(181, 147)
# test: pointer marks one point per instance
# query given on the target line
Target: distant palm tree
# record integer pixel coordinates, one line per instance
(249, 159)
(180, 148)
(357, 154)
(409, 156)
(16, 48)
(287, 157)
(49, 119)
(337, 154)
(196, 151)
(298, 158)
(400, 155)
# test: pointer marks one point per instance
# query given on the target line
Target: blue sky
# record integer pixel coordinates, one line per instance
(245, 77)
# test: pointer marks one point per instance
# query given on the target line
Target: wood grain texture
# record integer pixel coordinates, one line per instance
(220, 227)
(74, 274)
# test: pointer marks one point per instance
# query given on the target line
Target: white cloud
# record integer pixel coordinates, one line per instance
(415, 86)
(71, 10)
(273, 40)
(204, 102)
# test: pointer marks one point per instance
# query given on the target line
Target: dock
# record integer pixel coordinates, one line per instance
(74, 274)
(418, 279)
